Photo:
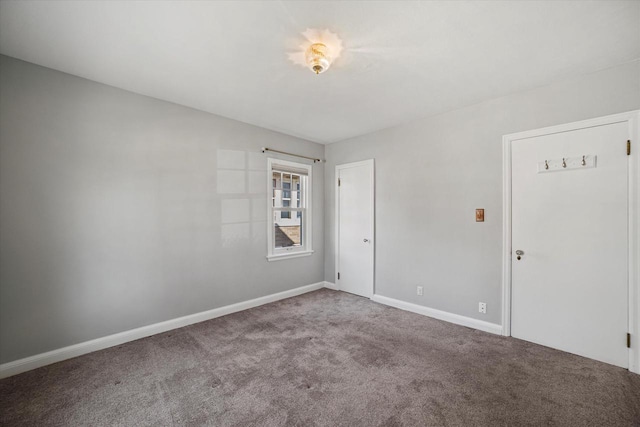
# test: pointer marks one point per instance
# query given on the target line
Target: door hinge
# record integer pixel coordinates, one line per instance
(338, 276)
(628, 340)
(628, 147)
(338, 182)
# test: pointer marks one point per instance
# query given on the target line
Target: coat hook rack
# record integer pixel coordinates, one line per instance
(584, 161)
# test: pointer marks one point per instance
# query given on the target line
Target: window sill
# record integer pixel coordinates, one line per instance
(280, 257)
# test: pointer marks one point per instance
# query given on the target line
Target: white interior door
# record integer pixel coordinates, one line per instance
(354, 205)
(569, 287)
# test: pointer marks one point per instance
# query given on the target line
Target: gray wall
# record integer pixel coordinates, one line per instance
(433, 173)
(120, 210)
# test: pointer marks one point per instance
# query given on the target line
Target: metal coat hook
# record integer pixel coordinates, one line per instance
(584, 162)
(546, 164)
(564, 163)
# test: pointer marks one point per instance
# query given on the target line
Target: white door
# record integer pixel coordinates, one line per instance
(354, 208)
(569, 286)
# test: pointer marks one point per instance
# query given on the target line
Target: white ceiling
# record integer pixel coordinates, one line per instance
(401, 60)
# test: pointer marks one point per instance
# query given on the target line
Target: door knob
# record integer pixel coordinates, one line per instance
(519, 253)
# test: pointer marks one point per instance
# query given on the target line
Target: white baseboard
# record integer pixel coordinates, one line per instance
(330, 285)
(441, 315)
(43, 359)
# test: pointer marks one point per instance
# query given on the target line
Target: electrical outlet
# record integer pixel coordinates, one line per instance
(482, 307)
(419, 290)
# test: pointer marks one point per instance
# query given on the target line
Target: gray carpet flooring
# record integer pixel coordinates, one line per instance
(328, 359)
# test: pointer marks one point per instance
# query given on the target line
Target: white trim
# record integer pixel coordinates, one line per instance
(506, 237)
(632, 118)
(634, 243)
(43, 359)
(280, 257)
(306, 248)
(371, 164)
(331, 286)
(440, 315)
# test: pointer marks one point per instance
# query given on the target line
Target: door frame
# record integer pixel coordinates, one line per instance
(632, 118)
(371, 165)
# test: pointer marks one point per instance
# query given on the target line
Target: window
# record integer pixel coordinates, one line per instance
(289, 210)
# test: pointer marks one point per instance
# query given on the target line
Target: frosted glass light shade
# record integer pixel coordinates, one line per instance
(317, 57)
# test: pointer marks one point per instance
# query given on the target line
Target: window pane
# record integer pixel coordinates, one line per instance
(288, 233)
(277, 198)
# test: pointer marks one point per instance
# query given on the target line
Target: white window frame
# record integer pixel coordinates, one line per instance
(305, 249)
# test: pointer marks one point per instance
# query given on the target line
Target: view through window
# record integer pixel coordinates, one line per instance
(287, 213)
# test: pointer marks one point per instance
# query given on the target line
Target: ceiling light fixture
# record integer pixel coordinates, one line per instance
(318, 58)
(318, 51)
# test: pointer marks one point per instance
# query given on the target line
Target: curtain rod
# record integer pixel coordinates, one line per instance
(290, 154)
